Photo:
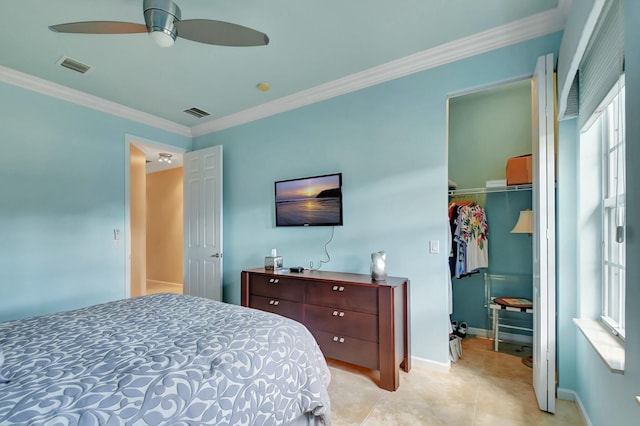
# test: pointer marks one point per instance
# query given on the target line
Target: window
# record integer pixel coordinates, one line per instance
(613, 211)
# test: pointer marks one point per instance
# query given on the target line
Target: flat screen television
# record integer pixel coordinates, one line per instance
(309, 201)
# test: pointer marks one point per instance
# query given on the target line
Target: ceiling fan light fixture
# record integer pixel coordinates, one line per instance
(165, 157)
(163, 38)
(160, 17)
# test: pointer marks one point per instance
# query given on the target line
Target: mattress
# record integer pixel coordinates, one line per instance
(163, 359)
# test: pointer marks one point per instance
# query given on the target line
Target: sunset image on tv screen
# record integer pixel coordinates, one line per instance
(309, 201)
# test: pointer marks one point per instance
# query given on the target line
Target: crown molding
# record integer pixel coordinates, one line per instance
(537, 25)
(36, 84)
(534, 26)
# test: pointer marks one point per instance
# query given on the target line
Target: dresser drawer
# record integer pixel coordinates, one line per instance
(274, 286)
(282, 307)
(353, 318)
(348, 323)
(348, 349)
(343, 296)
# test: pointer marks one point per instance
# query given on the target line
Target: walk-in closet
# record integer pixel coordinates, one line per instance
(486, 128)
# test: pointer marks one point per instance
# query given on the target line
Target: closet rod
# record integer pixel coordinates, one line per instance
(526, 187)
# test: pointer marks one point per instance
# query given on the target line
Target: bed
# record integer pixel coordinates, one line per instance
(162, 359)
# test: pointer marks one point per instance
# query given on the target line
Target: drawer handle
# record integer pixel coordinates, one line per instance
(274, 302)
(336, 288)
(338, 339)
(274, 280)
(338, 314)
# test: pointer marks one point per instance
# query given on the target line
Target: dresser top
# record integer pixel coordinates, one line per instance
(345, 277)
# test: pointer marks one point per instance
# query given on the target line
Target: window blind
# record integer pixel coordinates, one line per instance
(572, 104)
(602, 63)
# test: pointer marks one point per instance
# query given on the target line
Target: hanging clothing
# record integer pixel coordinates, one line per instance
(469, 232)
(474, 232)
(449, 286)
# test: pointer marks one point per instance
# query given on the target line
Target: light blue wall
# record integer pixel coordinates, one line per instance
(389, 141)
(62, 187)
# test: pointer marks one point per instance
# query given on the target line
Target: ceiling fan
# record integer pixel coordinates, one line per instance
(162, 22)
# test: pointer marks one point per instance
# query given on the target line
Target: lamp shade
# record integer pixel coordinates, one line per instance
(525, 223)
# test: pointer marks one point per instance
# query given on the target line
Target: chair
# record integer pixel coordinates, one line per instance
(517, 301)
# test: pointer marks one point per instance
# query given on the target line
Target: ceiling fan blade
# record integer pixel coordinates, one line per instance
(220, 33)
(99, 27)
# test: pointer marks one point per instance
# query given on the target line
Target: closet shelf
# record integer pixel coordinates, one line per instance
(525, 187)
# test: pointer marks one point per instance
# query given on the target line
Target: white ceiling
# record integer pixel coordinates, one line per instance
(317, 49)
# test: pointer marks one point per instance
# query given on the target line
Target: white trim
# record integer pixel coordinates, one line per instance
(534, 26)
(515, 32)
(608, 347)
(431, 365)
(36, 84)
(582, 410)
(567, 394)
(570, 395)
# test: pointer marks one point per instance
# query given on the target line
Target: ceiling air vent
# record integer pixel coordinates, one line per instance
(196, 112)
(74, 65)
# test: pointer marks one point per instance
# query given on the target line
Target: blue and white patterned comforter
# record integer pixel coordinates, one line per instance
(163, 359)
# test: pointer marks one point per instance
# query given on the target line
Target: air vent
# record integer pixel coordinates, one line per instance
(196, 112)
(74, 65)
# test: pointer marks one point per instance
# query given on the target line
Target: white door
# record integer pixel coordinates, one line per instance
(203, 223)
(544, 240)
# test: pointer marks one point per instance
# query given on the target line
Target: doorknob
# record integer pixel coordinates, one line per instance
(217, 255)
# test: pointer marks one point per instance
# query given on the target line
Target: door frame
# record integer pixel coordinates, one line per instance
(130, 139)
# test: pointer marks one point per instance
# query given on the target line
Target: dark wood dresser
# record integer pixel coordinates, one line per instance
(353, 318)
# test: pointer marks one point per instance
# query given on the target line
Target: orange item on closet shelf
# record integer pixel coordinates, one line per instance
(519, 170)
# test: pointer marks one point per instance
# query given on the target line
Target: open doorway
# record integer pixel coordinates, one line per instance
(486, 129)
(156, 218)
(541, 121)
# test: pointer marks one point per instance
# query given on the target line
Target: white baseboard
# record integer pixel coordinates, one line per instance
(165, 283)
(566, 394)
(508, 337)
(570, 395)
(431, 365)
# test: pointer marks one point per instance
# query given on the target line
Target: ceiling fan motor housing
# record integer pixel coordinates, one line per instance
(161, 15)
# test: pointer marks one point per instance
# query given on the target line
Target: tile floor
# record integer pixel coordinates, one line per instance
(483, 388)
